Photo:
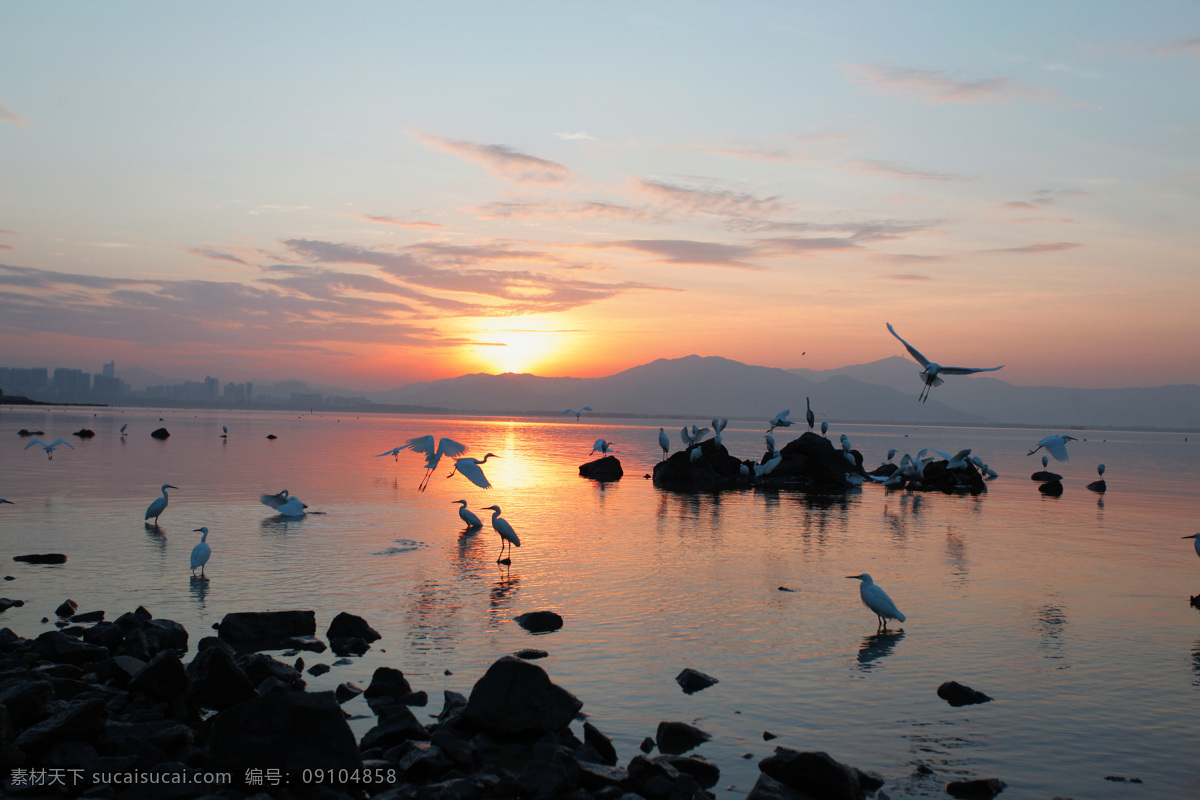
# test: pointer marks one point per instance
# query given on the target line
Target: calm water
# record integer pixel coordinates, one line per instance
(1071, 612)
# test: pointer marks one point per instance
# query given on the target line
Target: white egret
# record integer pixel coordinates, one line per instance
(770, 440)
(468, 517)
(891, 453)
(394, 453)
(507, 534)
(824, 428)
(1195, 537)
(780, 420)
(469, 469)
(693, 438)
(718, 425)
(446, 447)
(932, 373)
(876, 599)
(159, 505)
(602, 445)
(10, 502)
(49, 448)
(767, 467)
(664, 442)
(1100, 470)
(292, 508)
(694, 454)
(275, 501)
(578, 413)
(809, 415)
(201, 552)
(1056, 446)
(123, 427)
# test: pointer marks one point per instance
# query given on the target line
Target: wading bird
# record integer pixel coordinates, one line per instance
(780, 420)
(507, 534)
(281, 501)
(1195, 537)
(292, 508)
(933, 371)
(10, 502)
(824, 428)
(578, 413)
(876, 599)
(602, 445)
(123, 427)
(424, 444)
(809, 415)
(469, 469)
(468, 517)
(224, 432)
(1056, 446)
(49, 448)
(664, 442)
(201, 552)
(159, 505)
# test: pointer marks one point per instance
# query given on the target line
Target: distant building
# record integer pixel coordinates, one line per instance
(26, 382)
(72, 384)
(211, 386)
(110, 370)
(238, 393)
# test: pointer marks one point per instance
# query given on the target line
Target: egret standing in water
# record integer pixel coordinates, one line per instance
(123, 427)
(424, 444)
(932, 373)
(201, 552)
(876, 599)
(472, 522)
(224, 432)
(469, 469)
(507, 534)
(49, 448)
(284, 503)
(664, 443)
(1195, 537)
(1055, 446)
(159, 505)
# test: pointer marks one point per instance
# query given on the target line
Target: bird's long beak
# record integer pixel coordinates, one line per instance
(196, 530)
(1193, 536)
(856, 577)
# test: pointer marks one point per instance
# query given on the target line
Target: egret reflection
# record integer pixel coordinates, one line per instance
(198, 588)
(877, 646)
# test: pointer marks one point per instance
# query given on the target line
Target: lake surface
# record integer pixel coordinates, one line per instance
(1072, 612)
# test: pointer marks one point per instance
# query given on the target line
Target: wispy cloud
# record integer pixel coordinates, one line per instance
(400, 223)
(682, 251)
(216, 254)
(936, 86)
(10, 116)
(501, 160)
(1041, 247)
(898, 172)
(1174, 47)
(704, 200)
(909, 276)
(576, 137)
(574, 210)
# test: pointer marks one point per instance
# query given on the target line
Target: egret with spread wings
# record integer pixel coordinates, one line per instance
(933, 371)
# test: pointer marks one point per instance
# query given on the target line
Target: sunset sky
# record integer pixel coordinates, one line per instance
(369, 194)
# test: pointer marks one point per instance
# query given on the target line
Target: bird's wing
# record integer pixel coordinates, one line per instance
(274, 500)
(961, 454)
(945, 456)
(57, 442)
(419, 444)
(451, 448)
(569, 411)
(966, 370)
(684, 435)
(474, 473)
(392, 452)
(1057, 448)
(32, 442)
(878, 601)
(586, 408)
(914, 352)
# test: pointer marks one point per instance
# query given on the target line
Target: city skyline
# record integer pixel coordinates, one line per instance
(372, 195)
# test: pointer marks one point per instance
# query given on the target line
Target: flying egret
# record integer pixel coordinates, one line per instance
(932, 372)
(10, 502)
(424, 444)
(469, 469)
(507, 534)
(394, 453)
(664, 442)
(876, 599)
(201, 552)
(602, 445)
(468, 517)
(577, 413)
(824, 428)
(159, 505)
(693, 438)
(809, 415)
(1055, 445)
(1195, 537)
(49, 448)
(780, 420)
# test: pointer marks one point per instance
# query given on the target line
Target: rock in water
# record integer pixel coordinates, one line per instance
(539, 621)
(290, 731)
(1098, 486)
(348, 625)
(1052, 488)
(602, 469)
(42, 558)
(692, 681)
(957, 694)
(674, 738)
(160, 433)
(977, 788)
(515, 697)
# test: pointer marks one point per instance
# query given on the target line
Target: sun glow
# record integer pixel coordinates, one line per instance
(518, 351)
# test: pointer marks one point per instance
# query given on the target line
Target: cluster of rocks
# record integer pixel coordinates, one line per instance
(939, 476)
(810, 462)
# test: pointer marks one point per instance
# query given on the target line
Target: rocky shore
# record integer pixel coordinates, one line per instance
(108, 709)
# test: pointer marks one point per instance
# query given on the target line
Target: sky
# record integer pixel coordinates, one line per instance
(370, 194)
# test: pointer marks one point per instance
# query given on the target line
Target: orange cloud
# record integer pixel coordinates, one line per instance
(938, 87)
(10, 116)
(1042, 247)
(502, 161)
(382, 220)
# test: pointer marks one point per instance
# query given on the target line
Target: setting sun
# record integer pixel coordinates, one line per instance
(517, 351)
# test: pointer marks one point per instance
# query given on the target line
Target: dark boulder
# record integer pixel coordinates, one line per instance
(160, 433)
(602, 469)
(515, 696)
(692, 681)
(600, 743)
(260, 667)
(811, 461)
(704, 771)
(539, 621)
(349, 646)
(289, 731)
(714, 469)
(530, 654)
(56, 646)
(348, 625)
(88, 616)
(674, 738)
(937, 476)
(6, 604)
(388, 688)
(346, 691)
(216, 681)
(84, 720)
(42, 558)
(1098, 486)
(956, 694)
(982, 788)
(84, 433)
(27, 432)
(163, 677)
(27, 701)
(67, 609)
(1052, 489)
(1042, 476)
(261, 629)
(819, 775)
(400, 725)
